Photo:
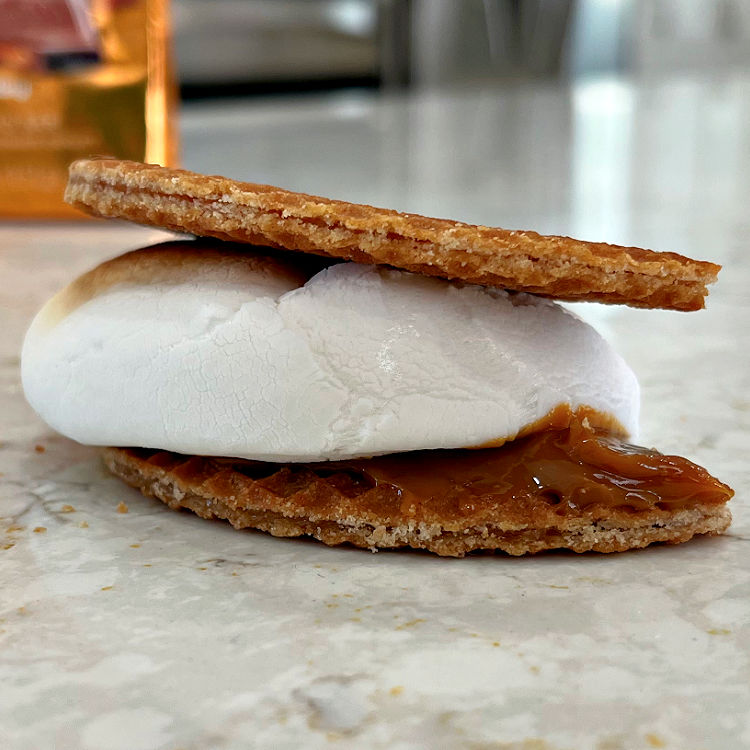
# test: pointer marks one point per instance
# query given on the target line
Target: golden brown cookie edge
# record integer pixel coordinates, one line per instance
(195, 490)
(557, 267)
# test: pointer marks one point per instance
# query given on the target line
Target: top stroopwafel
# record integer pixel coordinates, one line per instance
(550, 266)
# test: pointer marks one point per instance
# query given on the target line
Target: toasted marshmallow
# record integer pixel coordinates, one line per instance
(227, 353)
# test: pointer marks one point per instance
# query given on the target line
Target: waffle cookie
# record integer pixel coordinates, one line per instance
(549, 266)
(343, 503)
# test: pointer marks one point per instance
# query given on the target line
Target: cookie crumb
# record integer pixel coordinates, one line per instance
(67, 509)
(396, 690)
(135, 546)
(39, 448)
(40, 529)
(122, 508)
(410, 623)
(107, 588)
(83, 525)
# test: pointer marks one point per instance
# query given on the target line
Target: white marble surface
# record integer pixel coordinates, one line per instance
(153, 630)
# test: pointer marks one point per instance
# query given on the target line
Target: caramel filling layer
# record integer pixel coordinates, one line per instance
(574, 467)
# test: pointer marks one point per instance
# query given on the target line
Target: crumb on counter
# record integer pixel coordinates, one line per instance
(40, 529)
(39, 448)
(135, 546)
(67, 509)
(14, 528)
(107, 588)
(83, 525)
(122, 508)
(396, 690)
(410, 623)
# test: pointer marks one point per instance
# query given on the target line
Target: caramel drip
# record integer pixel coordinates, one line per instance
(561, 417)
(575, 467)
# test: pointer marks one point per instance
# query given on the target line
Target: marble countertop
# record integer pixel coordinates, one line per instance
(155, 630)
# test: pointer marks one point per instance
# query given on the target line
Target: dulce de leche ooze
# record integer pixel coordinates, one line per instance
(569, 469)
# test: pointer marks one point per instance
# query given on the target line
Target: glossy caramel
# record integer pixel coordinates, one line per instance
(562, 416)
(574, 467)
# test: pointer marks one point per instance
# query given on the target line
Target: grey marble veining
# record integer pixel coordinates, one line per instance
(156, 630)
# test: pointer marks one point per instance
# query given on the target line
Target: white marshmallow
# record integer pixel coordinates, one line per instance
(359, 361)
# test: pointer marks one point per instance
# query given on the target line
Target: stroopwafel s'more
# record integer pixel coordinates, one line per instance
(402, 381)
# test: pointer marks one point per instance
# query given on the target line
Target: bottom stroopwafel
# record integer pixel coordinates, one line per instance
(289, 500)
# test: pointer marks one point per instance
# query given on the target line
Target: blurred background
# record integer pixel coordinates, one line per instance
(250, 47)
(626, 121)
(569, 116)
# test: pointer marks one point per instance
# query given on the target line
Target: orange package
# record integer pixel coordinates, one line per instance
(79, 77)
